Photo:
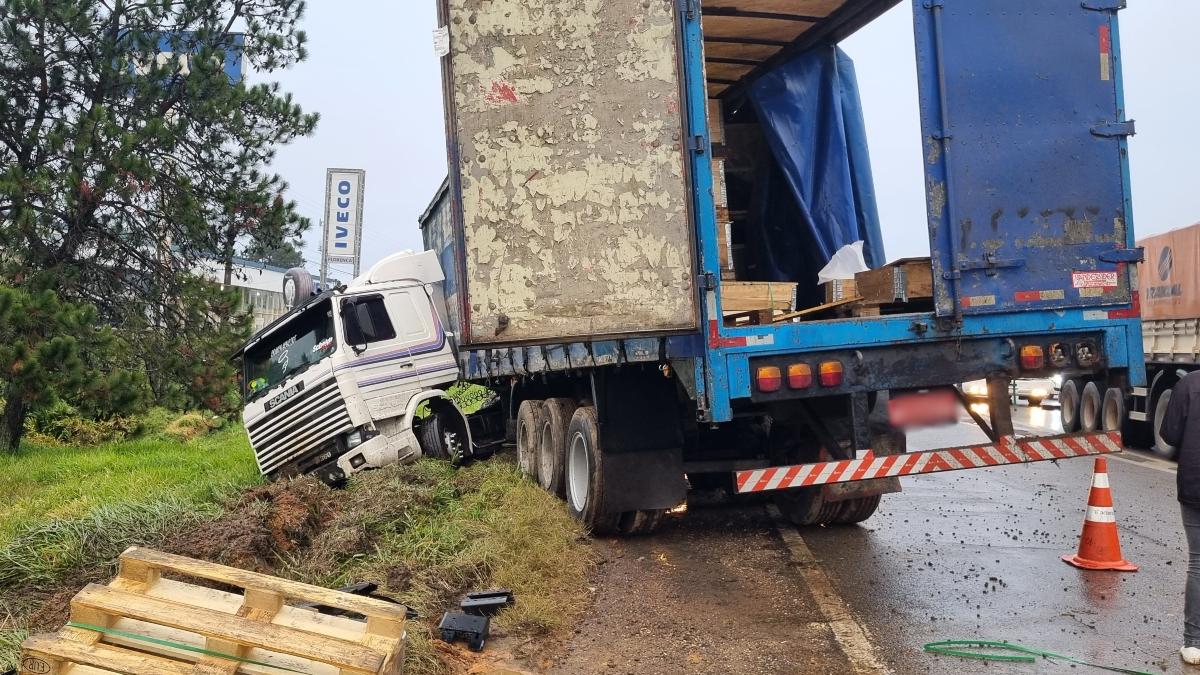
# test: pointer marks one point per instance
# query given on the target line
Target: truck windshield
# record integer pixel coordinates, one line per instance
(303, 341)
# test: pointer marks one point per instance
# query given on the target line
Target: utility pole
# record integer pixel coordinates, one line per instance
(324, 254)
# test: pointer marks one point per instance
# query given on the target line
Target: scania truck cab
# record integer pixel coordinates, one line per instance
(353, 378)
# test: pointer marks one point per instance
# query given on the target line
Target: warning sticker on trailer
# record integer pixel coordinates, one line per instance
(1094, 279)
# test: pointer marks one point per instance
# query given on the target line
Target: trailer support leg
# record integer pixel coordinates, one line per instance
(999, 403)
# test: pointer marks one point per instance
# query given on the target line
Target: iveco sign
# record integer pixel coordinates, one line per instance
(343, 215)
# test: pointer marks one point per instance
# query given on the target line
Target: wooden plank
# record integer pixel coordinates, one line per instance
(769, 29)
(730, 50)
(804, 313)
(291, 590)
(716, 121)
(805, 7)
(720, 196)
(245, 632)
(726, 71)
(751, 296)
(56, 652)
(724, 246)
(839, 289)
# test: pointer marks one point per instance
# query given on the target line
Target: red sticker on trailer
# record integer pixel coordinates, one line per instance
(1105, 54)
(1094, 279)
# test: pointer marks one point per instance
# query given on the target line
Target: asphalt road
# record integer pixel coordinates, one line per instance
(975, 554)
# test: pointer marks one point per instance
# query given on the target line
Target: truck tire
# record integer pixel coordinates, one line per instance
(633, 523)
(1112, 410)
(552, 443)
(442, 437)
(1161, 447)
(1090, 403)
(585, 473)
(1068, 398)
(529, 425)
(857, 510)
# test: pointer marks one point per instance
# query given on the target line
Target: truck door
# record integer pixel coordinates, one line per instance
(1024, 135)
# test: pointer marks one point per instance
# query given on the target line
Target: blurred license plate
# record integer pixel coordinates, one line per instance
(923, 408)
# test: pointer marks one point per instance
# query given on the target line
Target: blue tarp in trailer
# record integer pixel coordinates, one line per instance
(811, 117)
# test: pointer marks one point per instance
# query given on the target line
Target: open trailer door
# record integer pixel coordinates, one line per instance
(1025, 147)
(567, 158)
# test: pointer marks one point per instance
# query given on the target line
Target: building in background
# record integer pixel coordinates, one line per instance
(260, 285)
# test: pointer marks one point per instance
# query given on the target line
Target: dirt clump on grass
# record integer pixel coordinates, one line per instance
(260, 525)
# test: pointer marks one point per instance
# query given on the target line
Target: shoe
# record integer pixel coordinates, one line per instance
(1190, 655)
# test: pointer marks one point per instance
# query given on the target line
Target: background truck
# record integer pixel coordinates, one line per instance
(1169, 294)
(641, 193)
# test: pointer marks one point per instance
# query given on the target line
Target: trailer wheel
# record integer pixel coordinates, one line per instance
(1112, 411)
(585, 473)
(529, 425)
(552, 443)
(854, 511)
(639, 522)
(1068, 398)
(1090, 404)
(1161, 447)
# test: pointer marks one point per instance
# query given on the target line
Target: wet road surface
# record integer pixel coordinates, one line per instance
(975, 554)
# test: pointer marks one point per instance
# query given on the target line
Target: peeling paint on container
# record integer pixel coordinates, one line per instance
(571, 168)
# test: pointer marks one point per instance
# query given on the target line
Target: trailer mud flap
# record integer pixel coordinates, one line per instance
(1008, 450)
(644, 480)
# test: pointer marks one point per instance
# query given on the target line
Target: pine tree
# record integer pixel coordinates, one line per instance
(50, 349)
(128, 154)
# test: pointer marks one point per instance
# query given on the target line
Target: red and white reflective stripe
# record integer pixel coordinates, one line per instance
(1009, 450)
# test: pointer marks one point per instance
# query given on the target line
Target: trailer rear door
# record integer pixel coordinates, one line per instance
(1024, 136)
(565, 129)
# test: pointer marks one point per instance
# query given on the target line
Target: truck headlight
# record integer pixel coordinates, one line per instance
(1038, 393)
(354, 439)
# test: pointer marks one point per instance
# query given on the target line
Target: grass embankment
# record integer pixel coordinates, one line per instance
(426, 533)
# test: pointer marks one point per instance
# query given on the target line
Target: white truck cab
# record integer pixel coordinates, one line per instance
(333, 387)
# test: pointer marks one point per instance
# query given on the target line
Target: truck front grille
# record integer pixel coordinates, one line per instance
(300, 427)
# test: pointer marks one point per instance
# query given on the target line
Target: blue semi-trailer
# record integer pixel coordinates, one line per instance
(581, 231)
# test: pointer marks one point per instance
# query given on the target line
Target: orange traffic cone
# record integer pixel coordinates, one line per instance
(1100, 547)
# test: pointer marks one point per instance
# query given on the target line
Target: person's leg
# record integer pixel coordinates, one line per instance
(1191, 602)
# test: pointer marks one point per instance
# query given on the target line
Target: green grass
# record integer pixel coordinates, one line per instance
(43, 484)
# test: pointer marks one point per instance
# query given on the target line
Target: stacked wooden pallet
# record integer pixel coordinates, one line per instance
(148, 622)
(905, 285)
(743, 302)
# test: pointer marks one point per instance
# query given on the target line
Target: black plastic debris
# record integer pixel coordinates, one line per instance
(487, 603)
(471, 628)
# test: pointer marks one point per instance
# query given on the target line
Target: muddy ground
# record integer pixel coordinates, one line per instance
(714, 590)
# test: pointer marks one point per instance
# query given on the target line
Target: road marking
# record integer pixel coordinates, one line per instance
(851, 636)
(1147, 462)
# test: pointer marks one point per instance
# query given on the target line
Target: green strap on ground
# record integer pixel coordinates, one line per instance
(176, 645)
(1022, 654)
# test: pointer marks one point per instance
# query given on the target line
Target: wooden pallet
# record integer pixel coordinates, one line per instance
(148, 622)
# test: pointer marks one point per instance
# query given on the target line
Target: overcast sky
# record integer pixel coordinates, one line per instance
(373, 76)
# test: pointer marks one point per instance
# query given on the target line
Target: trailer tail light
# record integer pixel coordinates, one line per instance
(831, 374)
(800, 376)
(769, 379)
(1033, 357)
(1087, 354)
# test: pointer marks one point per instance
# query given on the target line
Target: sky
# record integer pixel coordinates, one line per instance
(373, 76)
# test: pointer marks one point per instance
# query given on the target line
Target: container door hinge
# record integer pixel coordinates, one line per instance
(696, 144)
(1104, 5)
(707, 282)
(1124, 255)
(930, 4)
(687, 8)
(1114, 129)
